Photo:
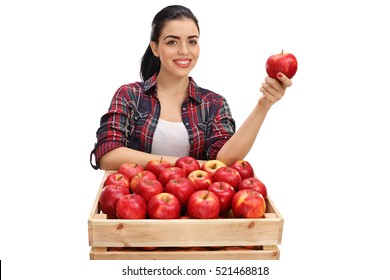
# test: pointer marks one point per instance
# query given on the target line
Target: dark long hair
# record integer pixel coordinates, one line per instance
(149, 63)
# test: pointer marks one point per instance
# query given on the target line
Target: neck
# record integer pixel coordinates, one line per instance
(172, 85)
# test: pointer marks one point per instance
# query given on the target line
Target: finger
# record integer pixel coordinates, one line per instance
(274, 88)
(286, 82)
(269, 93)
(275, 84)
(270, 98)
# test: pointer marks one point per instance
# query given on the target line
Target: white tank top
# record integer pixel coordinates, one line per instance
(170, 139)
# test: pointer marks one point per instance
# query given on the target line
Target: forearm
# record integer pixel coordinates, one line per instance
(115, 158)
(238, 146)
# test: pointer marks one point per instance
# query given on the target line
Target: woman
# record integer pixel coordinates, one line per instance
(168, 114)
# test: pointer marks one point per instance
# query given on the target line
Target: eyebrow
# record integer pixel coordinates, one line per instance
(177, 37)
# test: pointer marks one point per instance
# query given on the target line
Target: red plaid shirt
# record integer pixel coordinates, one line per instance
(134, 112)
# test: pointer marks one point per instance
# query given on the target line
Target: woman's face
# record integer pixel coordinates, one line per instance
(178, 47)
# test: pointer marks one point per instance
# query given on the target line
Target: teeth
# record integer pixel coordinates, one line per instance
(182, 62)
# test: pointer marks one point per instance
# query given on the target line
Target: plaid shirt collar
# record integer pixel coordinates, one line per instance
(193, 91)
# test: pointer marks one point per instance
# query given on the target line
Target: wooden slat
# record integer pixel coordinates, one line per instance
(269, 253)
(190, 232)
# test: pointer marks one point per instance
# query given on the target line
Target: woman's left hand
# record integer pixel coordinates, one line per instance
(274, 89)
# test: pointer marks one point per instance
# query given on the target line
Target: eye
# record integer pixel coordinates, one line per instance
(193, 42)
(172, 42)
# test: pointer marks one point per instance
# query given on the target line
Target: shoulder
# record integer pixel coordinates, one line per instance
(215, 104)
(131, 88)
(137, 88)
(204, 95)
(131, 93)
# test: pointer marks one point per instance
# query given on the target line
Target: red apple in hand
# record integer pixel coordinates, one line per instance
(225, 192)
(248, 204)
(164, 206)
(145, 174)
(228, 175)
(117, 179)
(212, 165)
(255, 184)
(147, 188)
(244, 168)
(182, 188)
(283, 62)
(203, 204)
(188, 164)
(131, 206)
(170, 173)
(201, 179)
(155, 166)
(130, 169)
(109, 197)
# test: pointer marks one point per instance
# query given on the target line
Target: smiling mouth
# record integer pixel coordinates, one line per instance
(184, 63)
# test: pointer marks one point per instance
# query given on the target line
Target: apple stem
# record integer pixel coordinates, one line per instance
(282, 51)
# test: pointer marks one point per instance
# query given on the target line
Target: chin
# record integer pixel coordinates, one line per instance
(179, 72)
(183, 73)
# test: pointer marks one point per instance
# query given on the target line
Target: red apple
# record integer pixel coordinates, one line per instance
(188, 164)
(225, 192)
(147, 188)
(148, 248)
(131, 206)
(195, 249)
(109, 197)
(255, 184)
(248, 204)
(155, 166)
(212, 165)
(164, 206)
(244, 168)
(182, 188)
(201, 179)
(117, 179)
(283, 62)
(228, 175)
(130, 169)
(203, 204)
(170, 173)
(145, 174)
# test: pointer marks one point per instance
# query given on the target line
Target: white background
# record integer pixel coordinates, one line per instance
(323, 150)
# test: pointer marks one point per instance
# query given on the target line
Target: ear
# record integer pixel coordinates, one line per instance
(154, 48)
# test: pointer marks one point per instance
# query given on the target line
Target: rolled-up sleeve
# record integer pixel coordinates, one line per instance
(114, 127)
(221, 129)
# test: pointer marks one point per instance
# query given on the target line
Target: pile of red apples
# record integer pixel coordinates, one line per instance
(185, 190)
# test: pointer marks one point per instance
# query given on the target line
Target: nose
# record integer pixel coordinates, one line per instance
(183, 49)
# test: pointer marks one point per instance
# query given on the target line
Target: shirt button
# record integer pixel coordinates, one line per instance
(184, 108)
(187, 124)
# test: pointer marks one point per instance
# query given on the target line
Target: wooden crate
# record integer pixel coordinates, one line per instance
(121, 239)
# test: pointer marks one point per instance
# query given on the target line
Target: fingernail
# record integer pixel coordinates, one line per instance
(280, 75)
